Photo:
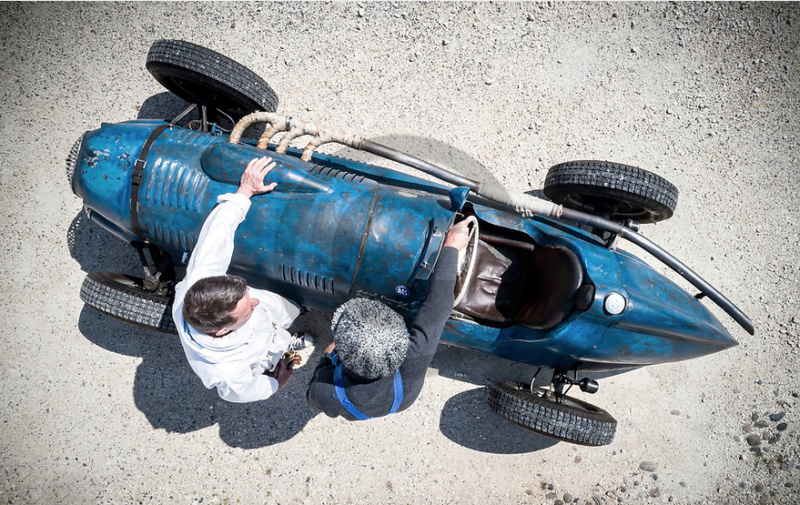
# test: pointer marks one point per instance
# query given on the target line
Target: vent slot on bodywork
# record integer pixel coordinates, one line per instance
(307, 279)
(336, 174)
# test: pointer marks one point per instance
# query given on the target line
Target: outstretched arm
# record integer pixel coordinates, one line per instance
(428, 325)
(214, 249)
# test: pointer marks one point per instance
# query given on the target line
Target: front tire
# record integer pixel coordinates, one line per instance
(618, 191)
(124, 298)
(569, 420)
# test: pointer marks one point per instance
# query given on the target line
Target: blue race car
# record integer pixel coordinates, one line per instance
(542, 282)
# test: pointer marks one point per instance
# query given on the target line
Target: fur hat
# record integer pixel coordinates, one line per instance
(371, 339)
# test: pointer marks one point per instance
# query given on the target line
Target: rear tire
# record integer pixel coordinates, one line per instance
(620, 191)
(569, 420)
(205, 77)
(124, 298)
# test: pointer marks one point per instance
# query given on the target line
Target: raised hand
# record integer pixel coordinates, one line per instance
(252, 182)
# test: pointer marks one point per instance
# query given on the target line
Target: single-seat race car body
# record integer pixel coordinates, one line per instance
(534, 289)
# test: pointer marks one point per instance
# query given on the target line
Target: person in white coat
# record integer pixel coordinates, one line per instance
(234, 336)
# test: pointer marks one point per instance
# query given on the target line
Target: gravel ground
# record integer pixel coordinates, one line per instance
(96, 411)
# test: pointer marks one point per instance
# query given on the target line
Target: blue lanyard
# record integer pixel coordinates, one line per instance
(341, 395)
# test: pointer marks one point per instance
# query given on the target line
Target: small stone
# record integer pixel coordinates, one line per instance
(633, 25)
(361, 13)
(754, 417)
(777, 417)
(567, 498)
(578, 459)
(774, 439)
(489, 81)
(655, 492)
(529, 492)
(761, 424)
(622, 489)
(558, 502)
(682, 484)
(669, 111)
(634, 49)
(758, 488)
(675, 412)
(647, 466)
(753, 440)
(746, 428)
(655, 476)
(782, 427)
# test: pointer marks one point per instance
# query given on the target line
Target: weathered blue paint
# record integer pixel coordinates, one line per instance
(335, 228)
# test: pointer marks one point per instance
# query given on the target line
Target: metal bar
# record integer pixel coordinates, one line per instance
(419, 164)
(182, 115)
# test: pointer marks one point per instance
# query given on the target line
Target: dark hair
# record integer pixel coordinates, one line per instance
(209, 302)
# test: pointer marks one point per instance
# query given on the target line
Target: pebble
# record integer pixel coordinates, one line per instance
(655, 492)
(753, 440)
(647, 466)
(782, 427)
(567, 498)
(777, 417)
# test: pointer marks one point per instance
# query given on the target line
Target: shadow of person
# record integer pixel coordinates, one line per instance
(173, 398)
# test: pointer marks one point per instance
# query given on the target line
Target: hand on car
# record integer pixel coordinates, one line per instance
(252, 182)
(457, 236)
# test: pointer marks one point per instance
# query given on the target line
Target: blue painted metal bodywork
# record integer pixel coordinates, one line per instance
(334, 228)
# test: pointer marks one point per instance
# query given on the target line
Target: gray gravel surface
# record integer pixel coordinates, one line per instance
(706, 95)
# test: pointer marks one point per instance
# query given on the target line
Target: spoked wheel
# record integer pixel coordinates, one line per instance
(123, 297)
(205, 77)
(611, 190)
(566, 419)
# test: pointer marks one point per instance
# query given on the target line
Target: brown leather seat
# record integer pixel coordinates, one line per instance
(513, 286)
(555, 275)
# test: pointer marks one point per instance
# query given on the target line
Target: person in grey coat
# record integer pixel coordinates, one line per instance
(376, 365)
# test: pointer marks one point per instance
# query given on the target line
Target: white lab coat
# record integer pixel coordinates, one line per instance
(234, 363)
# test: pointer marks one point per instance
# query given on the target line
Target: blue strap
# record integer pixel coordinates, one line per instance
(341, 395)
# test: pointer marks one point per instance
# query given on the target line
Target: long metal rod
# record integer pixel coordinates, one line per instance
(419, 164)
(580, 217)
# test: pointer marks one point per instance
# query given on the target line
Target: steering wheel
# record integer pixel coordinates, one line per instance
(466, 260)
